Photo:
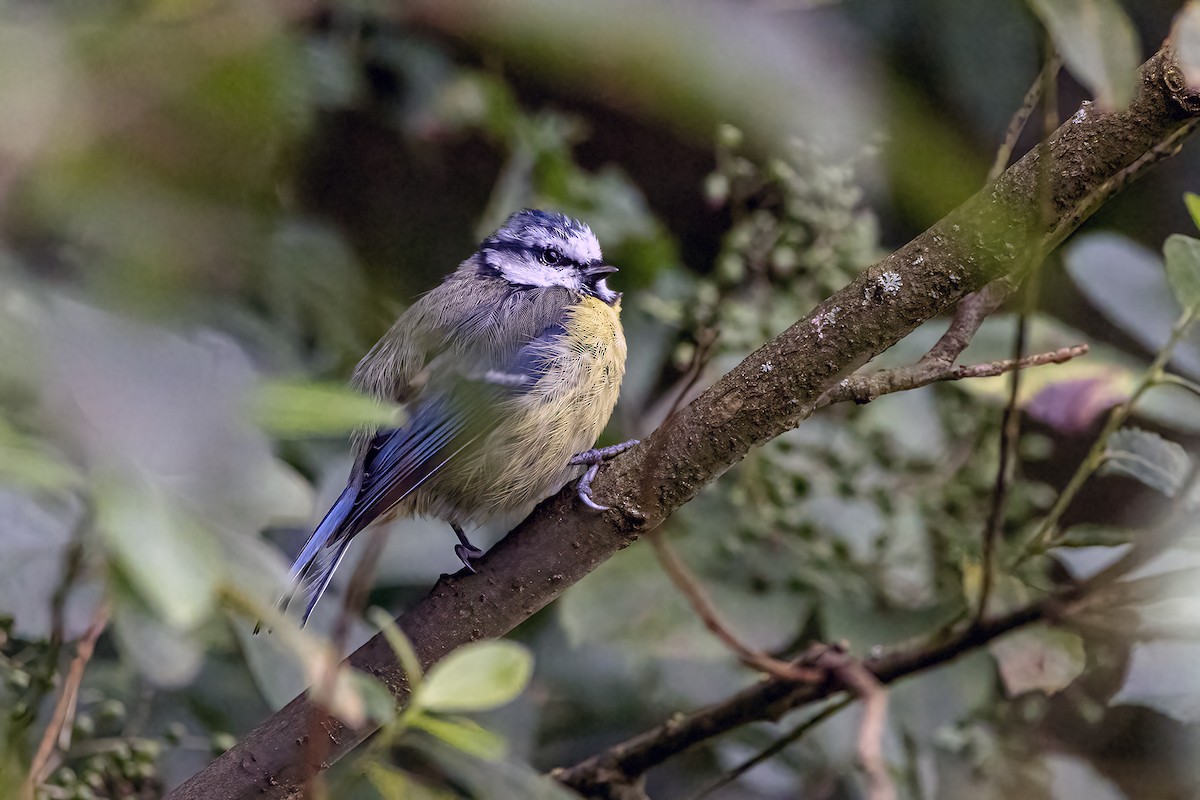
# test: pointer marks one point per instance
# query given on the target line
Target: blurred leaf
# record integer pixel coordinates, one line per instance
(931, 165)
(28, 462)
(297, 409)
(1073, 406)
(1182, 254)
(1094, 536)
(687, 69)
(1147, 457)
(278, 672)
(1191, 200)
(378, 703)
(629, 602)
(1163, 676)
(1084, 562)
(1127, 284)
(314, 287)
(133, 399)
(479, 778)
(1098, 44)
(393, 784)
(1038, 659)
(38, 87)
(172, 563)
(331, 684)
(463, 734)
(166, 655)
(1072, 777)
(342, 696)
(34, 537)
(476, 677)
(401, 646)
(1185, 38)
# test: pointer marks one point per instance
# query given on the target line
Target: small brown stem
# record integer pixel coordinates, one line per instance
(40, 768)
(690, 587)
(776, 747)
(865, 388)
(1017, 124)
(851, 673)
(828, 662)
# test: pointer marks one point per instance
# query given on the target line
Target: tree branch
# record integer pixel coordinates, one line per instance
(770, 392)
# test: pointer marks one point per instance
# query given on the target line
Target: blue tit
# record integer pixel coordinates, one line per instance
(509, 371)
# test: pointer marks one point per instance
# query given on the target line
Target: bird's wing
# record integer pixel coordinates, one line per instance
(456, 408)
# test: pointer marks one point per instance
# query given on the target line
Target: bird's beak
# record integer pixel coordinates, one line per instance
(597, 270)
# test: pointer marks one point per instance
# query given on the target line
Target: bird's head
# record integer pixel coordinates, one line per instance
(546, 248)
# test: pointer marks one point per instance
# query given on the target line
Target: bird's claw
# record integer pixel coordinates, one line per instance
(594, 458)
(599, 454)
(466, 553)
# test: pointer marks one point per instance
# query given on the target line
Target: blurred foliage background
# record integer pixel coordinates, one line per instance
(209, 210)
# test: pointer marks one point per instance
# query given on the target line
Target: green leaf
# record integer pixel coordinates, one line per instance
(1094, 536)
(476, 777)
(171, 562)
(392, 783)
(1183, 268)
(401, 646)
(476, 677)
(25, 461)
(1038, 659)
(1098, 44)
(164, 654)
(1109, 269)
(1192, 201)
(378, 703)
(465, 735)
(1147, 457)
(296, 409)
(35, 537)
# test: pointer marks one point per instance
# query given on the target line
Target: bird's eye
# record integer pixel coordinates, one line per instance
(550, 256)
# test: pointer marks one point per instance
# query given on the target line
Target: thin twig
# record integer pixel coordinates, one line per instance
(1010, 420)
(1010, 428)
(828, 662)
(851, 673)
(40, 767)
(1017, 124)
(690, 587)
(706, 339)
(863, 389)
(777, 746)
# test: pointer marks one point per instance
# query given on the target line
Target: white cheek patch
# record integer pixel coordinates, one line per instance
(604, 293)
(526, 274)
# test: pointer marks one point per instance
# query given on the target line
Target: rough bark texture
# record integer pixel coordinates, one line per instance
(770, 392)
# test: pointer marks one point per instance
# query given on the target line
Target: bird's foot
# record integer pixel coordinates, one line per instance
(466, 554)
(465, 551)
(594, 458)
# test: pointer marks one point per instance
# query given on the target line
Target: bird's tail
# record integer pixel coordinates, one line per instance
(313, 568)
